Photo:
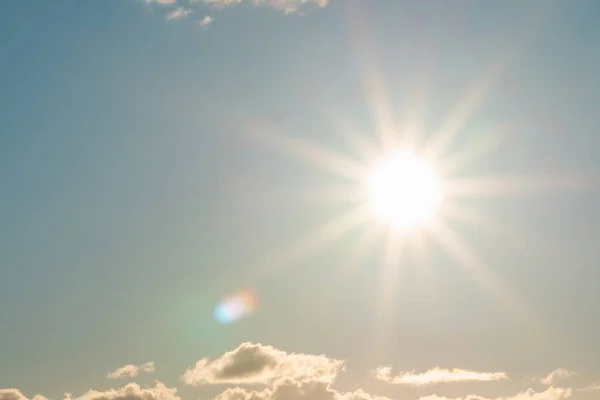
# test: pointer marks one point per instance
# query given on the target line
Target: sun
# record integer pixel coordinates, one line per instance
(403, 190)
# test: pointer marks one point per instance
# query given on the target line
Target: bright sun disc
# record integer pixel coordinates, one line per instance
(403, 190)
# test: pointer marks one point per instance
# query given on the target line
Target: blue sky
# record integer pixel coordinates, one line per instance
(157, 157)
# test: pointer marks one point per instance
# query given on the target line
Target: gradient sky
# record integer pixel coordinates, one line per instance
(139, 190)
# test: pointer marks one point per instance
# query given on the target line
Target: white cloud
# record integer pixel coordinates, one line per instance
(293, 390)
(131, 391)
(206, 21)
(130, 370)
(259, 364)
(287, 6)
(15, 394)
(179, 13)
(436, 376)
(552, 393)
(557, 376)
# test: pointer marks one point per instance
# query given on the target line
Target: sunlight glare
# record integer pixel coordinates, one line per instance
(403, 191)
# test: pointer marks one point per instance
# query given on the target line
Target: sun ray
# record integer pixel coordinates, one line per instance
(456, 248)
(305, 150)
(518, 184)
(373, 83)
(475, 95)
(480, 220)
(388, 287)
(412, 120)
(366, 243)
(472, 99)
(309, 243)
(323, 195)
(483, 145)
(366, 148)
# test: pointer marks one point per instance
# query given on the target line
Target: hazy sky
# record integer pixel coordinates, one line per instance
(159, 156)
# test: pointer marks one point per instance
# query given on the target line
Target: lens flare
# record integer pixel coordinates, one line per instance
(235, 307)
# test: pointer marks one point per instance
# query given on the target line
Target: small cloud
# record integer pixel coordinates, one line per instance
(286, 6)
(179, 13)
(206, 21)
(259, 364)
(436, 376)
(162, 2)
(131, 371)
(132, 391)
(557, 376)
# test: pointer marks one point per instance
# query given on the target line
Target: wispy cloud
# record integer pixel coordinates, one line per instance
(130, 370)
(256, 363)
(436, 376)
(179, 13)
(557, 376)
(287, 6)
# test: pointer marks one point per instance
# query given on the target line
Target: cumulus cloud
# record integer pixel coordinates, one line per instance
(557, 376)
(15, 394)
(259, 364)
(436, 376)
(552, 393)
(287, 389)
(287, 6)
(131, 371)
(131, 391)
(179, 13)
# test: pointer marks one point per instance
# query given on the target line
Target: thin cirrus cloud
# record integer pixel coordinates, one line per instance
(558, 376)
(253, 363)
(436, 376)
(131, 370)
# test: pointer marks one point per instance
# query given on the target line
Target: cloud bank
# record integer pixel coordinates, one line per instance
(299, 376)
(131, 371)
(436, 376)
(253, 363)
